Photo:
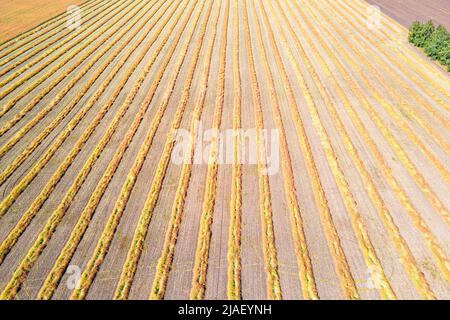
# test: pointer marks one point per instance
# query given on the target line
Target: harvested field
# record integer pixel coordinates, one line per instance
(21, 15)
(348, 195)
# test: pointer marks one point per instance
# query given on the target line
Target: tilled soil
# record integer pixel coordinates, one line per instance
(407, 11)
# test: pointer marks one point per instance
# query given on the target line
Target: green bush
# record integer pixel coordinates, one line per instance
(420, 32)
(435, 41)
(445, 57)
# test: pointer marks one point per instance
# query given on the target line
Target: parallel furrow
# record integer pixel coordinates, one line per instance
(268, 237)
(48, 154)
(209, 198)
(303, 259)
(134, 253)
(406, 54)
(368, 251)
(355, 97)
(408, 259)
(234, 241)
(405, 105)
(58, 214)
(396, 147)
(165, 261)
(404, 85)
(357, 221)
(46, 49)
(398, 119)
(66, 254)
(387, 219)
(418, 77)
(336, 250)
(60, 95)
(54, 68)
(114, 219)
(31, 34)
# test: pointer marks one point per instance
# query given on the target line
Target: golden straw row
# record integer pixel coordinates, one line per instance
(401, 154)
(135, 250)
(38, 165)
(368, 251)
(46, 48)
(361, 234)
(268, 237)
(410, 67)
(306, 275)
(389, 177)
(408, 259)
(114, 219)
(234, 239)
(39, 201)
(66, 254)
(165, 261)
(204, 234)
(10, 45)
(24, 129)
(79, 47)
(342, 267)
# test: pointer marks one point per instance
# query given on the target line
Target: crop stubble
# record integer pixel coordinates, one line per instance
(365, 106)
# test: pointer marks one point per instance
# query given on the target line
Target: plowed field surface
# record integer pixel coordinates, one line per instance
(407, 11)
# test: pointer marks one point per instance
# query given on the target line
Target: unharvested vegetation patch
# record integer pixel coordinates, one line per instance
(434, 40)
